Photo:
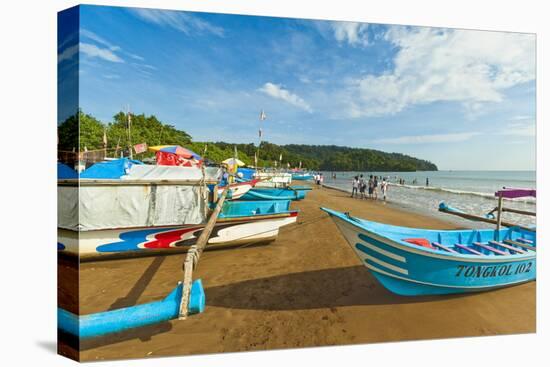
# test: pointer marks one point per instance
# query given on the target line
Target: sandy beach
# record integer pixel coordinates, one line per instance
(305, 289)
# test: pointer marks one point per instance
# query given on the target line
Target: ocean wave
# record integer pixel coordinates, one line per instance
(463, 192)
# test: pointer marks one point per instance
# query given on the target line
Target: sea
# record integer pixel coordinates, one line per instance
(470, 191)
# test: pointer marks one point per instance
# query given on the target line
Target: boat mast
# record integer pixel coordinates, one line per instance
(262, 118)
(129, 118)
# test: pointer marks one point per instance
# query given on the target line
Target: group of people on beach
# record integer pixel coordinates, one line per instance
(360, 185)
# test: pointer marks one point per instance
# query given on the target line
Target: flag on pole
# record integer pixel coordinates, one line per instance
(281, 157)
(235, 154)
(300, 164)
(140, 148)
(255, 160)
(260, 133)
(262, 115)
(105, 138)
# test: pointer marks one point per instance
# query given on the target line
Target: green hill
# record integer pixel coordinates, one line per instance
(148, 129)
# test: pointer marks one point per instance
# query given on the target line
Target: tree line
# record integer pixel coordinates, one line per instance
(94, 134)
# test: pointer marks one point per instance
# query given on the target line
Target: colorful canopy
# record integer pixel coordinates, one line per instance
(176, 149)
(234, 161)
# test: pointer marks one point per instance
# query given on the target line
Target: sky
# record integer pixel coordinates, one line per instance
(462, 99)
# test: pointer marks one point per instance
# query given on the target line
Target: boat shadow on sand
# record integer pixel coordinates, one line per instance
(348, 286)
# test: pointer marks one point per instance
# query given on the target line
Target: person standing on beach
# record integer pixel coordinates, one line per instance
(354, 186)
(371, 186)
(321, 179)
(362, 186)
(384, 188)
(375, 187)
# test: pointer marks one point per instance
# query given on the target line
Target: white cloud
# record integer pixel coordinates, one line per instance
(136, 57)
(469, 67)
(520, 127)
(278, 92)
(353, 33)
(84, 33)
(102, 53)
(178, 20)
(67, 53)
(434, 138)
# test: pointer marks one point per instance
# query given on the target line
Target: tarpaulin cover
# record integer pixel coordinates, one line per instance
(114, 169)
(248, 173)
(94, 207)
(65, 172)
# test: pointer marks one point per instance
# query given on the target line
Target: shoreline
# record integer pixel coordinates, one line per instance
(452, 222)
(305, 289)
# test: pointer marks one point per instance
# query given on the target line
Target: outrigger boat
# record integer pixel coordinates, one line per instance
(81, 200)
(302, 176)
(147, 211)
(273, 179)
(238, 189)
(412, 262)
(289, 193)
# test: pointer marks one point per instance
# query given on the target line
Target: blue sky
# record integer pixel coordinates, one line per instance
(462, 99)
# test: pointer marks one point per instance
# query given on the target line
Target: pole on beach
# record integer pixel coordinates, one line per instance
(483, 219)
(194, 254)
(499, 212)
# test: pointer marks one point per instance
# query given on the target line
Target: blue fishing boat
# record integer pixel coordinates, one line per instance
(302, 176)
(412, 262)
(108, 322)
(289, 193)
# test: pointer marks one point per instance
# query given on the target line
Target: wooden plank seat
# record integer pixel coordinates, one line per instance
(525, 240)
(508, 247)
(490, 248)
(443, 247)
(468, 249)
(522, 245)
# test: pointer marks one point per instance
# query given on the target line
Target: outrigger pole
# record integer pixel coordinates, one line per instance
(509, 193)
(194, 254)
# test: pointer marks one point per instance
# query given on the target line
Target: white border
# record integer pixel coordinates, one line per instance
(28, 220)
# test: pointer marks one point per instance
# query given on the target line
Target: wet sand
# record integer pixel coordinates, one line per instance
(305, 289)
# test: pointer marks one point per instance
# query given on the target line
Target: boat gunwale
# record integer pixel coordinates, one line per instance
(429, 252)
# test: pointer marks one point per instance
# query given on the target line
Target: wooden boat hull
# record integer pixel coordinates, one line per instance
(411, 270)
(150, 241)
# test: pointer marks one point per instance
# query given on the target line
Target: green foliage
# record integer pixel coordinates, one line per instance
(148, 129)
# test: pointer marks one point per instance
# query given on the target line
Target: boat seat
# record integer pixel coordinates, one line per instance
(467, 249)
(522, 245)
(443, 247)
(508, 247)
(525, 240)
(490, 248)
